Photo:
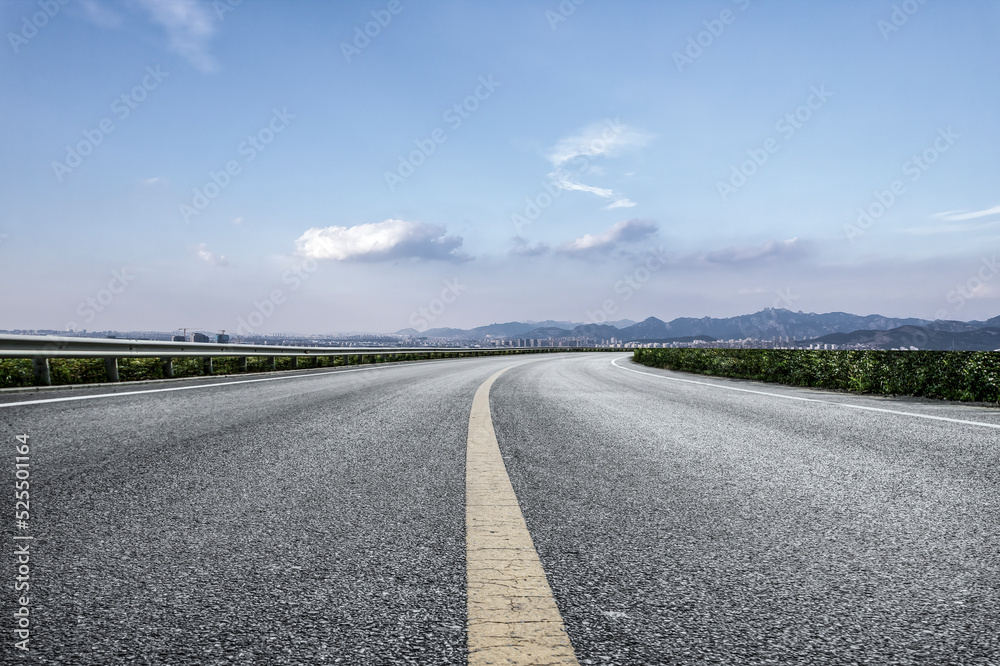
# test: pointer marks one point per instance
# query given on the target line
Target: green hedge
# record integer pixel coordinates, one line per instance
(18, 372)
(949, 375)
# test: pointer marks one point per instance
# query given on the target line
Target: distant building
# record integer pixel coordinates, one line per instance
(179, 338)
(222, 339)
(199, 337)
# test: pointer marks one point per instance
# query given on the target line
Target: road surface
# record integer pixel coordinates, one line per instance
(320, 517)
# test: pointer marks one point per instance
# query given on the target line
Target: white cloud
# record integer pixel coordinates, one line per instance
(391, 239)
(237, 221)
(209, 257)
(606, 139)
(189, 26)
(621, 203)
(959, 216)
(563, 180)
(152, 181)
(628, 231)
(950, 228)
(740, 255)
(609, 138)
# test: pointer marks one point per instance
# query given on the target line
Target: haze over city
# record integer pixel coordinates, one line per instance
(351, 166)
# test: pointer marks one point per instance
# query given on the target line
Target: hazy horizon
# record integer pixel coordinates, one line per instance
(567, 325)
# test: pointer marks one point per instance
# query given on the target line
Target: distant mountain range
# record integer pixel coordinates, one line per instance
(921, 337)
(767, 324)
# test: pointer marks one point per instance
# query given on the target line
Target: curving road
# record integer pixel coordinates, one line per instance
(320, 518)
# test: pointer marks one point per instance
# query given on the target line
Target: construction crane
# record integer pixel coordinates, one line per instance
(185, 329)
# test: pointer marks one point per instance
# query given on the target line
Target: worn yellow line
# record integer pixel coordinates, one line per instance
(513, 618)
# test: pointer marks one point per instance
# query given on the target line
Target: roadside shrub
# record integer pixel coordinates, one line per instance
(16, 372)
(76, 370)
(948, 375)
(138, 369)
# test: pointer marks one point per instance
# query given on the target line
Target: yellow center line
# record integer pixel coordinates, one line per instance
(513, 617)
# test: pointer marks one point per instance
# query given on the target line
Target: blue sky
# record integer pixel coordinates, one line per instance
(268, 165)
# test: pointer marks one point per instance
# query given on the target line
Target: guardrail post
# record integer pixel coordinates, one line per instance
(207, 365)
(295, 363)
(271, 365)
(111, 369)
(167, 364)
(242, 363)
(40, 366)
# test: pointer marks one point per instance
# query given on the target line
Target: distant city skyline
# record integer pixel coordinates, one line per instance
(374, 166)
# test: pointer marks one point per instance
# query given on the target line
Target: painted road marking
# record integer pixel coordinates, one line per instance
(513, 617)
(981, 424)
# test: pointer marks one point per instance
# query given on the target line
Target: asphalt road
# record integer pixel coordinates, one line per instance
(321, 519)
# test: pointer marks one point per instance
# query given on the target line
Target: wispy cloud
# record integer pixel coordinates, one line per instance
(563, 180)
(621, 203)
(608, 138)
(792, 247)
(209, 257)
(628, 231)
(961, 216)
(380, 241)
(573, 156)
(189, 26)
(950, 228)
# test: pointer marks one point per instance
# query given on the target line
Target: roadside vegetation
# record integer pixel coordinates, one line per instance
(947, 375)
(64, 371)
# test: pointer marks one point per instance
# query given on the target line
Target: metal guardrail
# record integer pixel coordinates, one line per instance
(41, 348)
(47, 346)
